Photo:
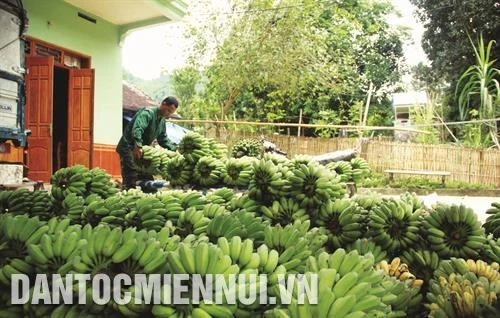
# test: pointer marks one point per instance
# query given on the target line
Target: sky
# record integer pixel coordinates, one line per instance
(147, 52)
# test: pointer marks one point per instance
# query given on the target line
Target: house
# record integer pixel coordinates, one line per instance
(73, 78)
(403, 103)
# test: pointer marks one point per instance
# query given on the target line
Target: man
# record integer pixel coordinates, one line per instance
(147, 125)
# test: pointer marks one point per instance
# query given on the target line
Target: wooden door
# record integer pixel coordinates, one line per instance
(80, 117)
(38, 116)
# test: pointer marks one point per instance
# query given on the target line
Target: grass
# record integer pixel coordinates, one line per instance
(379, 180)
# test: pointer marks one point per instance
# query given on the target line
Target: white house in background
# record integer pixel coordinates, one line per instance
(403, 103)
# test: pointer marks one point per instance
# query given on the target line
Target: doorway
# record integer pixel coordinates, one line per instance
(60, 119)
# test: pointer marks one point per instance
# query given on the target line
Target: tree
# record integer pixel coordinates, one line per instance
(280, 57)
(447, 24)
(184, 83)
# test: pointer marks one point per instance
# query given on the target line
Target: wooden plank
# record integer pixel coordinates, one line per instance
(430, 173)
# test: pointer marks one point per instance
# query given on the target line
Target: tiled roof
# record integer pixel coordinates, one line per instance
(134, 98)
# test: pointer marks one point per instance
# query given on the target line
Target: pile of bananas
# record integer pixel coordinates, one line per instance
(341, 168)
(217, 150)
(454, 231)
(19, 201)
(365, 246)
(177, 171)
(193, 146)
(151, 161)
(208, 171)
(312, 185)
(422, 261)
(237, 172)
(267, 183)
(342, 219)
(247, 147)
(360, 169)
(463, 296)
(291, 244)
(399, 270)
(492, 223)
(81, 181)
(284, 211)
(394, 226)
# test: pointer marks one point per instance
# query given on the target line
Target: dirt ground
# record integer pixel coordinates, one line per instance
(478, 204)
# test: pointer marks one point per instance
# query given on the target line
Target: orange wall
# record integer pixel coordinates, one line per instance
(105, 157)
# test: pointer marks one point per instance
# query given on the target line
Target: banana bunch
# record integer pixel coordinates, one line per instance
(19, 201)
(212, 210)
(360, 169)
(492, 223)
(368, 200)
(237, 172)
(290, 243)
(394, 226)
(4, 201)
(151, 161)
(342, 220)
(365, 246)
(241, 252)
(347, 287)
(191, 221)
(166, 155)
(491, 252)
(101, 183)
(217, 150)
(42, 205)
(177, 171)
(220, 196)
(72, 207)
(269, 264)
(284, 211)
(483, 269)
(243, 202)
(68, 180)
(117, 210)
(172, 204)
(317, 238)
(406, 297)
(299, 160)
(278, 160)
(136, 307)
(192, 199)
(423, 262)
(312, 185)
(454, 231)
(54, 253)
(225, 225)
(463, 296)
(266, 182)
(130, 252)
(341, 168)
(93, 211)
(193, 146)
(147, 213)
(398, 270)
(248, 147)
(253, 225)
(17, 233)
(412, 199)
(208, 171)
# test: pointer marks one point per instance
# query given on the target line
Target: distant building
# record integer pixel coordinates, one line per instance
(403, 103)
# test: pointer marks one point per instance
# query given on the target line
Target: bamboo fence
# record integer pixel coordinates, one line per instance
(479, 166)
